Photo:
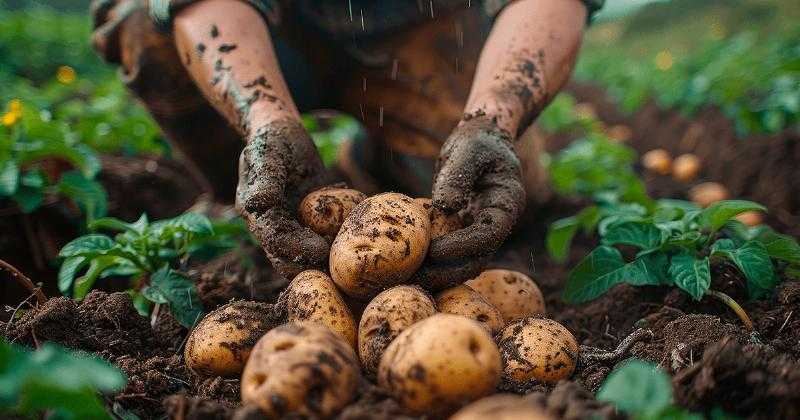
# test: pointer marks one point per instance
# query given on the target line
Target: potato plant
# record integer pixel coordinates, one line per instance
(54, 382)
(150, 254)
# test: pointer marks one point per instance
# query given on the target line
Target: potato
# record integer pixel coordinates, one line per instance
(381, 244)
(537, 348)
(620, 133)
(463, 300)
(502, 407)
(514, 294)
(750, 218)
(441, 224)
(325, 210)
(686, 167)
(439, 364)
(300, 368)
(221, 342)
(658, 161)
(312, 296)
(708, 193)
(386, 316)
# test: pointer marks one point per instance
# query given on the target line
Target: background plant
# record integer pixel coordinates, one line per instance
(54, 380)
(39, 157)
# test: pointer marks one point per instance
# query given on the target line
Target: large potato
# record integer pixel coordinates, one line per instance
(381, 244)
(441, 223)
(463, 300)
(386, 316)
(439, 364)
(221, 342)
(312, 296)
(300, 368)
(514, 294)
(502, 407)
(325, 210)
(537, 348)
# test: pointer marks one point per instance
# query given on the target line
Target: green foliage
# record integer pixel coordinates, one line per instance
(330, 131)
(643, 391)
(151, 254)
(56, 380)
(40, 157)
(676, 244)
(721, 56)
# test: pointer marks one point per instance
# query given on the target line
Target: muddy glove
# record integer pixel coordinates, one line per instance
(477, 171)
(277, 168)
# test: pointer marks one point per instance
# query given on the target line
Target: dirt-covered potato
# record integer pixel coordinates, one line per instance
(658, 161)
(325, 210)
(513, 293)
(381, 244)
(221, 342)
(537, 348)
(441, 223)
(502, 407)
(686, 167)
(312, 296)
(439, 364)
(386, 316)
(300, 368)
(463, 300)
(708, 193)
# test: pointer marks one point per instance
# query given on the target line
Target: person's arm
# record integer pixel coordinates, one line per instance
(226, 47)
(527, 58)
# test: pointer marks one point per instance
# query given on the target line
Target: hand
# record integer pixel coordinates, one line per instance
(477, 172)
(277, 168)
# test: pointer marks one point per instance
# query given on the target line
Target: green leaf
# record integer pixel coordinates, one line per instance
(691, 274)
(87, 245)
(604, 268)
(9, 178)
(28, 199)
(180, 293)
(637, 388)
(84, 283)
(753, 261)
(55, 379)
(66, 274)
(193, 222)
(717, 214)
(780, 247)
(642, 235)
(559, 237)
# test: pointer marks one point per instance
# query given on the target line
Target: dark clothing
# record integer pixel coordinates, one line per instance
(342, 20)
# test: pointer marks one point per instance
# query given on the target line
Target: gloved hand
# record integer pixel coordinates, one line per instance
(277, 168)
(478, 171)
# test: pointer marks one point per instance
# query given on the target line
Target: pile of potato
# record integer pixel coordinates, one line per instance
(434, 353)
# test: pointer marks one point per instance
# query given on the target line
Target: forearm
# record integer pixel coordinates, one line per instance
(526, 60)
(227, 50)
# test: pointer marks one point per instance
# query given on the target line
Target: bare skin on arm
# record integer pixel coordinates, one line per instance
(526, 60)
(226, 47)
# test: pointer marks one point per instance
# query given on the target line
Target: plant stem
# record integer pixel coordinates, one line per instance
(740, 312)
(24, 281)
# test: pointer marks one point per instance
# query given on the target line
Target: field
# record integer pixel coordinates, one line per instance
(664, 238)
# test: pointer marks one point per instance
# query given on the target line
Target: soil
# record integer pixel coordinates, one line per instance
(714, 362)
